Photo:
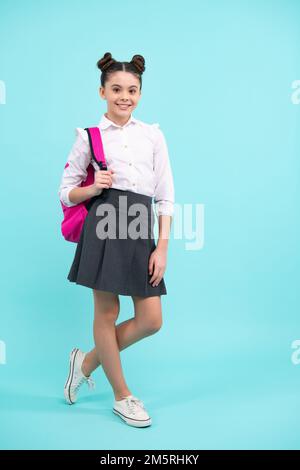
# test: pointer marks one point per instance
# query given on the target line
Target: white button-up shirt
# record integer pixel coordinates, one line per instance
(137, 153)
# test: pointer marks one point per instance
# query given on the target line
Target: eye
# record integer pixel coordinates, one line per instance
(118, 89)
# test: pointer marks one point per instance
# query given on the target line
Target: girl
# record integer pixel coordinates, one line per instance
(138, 168)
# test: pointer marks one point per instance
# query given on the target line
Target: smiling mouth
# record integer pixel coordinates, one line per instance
(123, 105)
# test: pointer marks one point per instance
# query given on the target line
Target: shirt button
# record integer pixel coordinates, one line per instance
(130, 164)
(125, 145)
(133, 184)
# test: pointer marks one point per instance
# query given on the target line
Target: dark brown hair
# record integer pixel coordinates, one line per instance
(108, 65)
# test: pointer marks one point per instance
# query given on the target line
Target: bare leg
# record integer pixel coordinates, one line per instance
(147, 321)
(106, 311)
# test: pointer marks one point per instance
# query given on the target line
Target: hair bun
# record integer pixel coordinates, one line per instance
(139, 62)
(105, 62)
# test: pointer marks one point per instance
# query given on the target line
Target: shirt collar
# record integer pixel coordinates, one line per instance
(105, 122)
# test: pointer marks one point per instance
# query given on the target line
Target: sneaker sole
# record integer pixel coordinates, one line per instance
(133, 422)
(67, 387)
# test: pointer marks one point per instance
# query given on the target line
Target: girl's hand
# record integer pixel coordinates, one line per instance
(157, 265)
(103, 179)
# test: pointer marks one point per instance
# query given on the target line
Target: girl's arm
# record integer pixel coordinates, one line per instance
(77, 195)
(164, 185)
(102, 180)
(158, 258)
(164, 199)
(165, 222)
(75, 171)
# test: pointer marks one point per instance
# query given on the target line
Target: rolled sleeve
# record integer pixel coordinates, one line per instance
(164, 196)
(75, 170)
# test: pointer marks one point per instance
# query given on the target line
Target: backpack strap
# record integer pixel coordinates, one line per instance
(96, 146)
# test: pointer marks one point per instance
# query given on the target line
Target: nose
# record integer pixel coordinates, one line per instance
(124, 98)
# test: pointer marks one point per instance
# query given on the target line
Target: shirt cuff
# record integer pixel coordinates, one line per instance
(164, 208)
(64, 197)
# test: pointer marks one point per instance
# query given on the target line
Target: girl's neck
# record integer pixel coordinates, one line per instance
(117, 120)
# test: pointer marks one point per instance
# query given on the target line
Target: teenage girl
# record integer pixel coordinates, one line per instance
(138, 168)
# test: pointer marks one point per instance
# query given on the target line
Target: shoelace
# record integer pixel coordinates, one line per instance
(89, 380)
(132, 402)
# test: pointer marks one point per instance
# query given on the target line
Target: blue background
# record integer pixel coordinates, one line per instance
(218, 79)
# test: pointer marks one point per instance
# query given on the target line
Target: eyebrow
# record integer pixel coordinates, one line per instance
(115, 84)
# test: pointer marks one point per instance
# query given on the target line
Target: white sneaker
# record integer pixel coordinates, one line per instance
(76, 378)
(132, 411)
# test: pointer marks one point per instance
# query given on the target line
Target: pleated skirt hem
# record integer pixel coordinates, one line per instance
(116, 291)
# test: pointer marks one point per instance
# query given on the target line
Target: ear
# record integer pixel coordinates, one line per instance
(101, 92)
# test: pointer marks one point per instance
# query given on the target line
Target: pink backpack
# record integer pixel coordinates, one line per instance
(74, 216)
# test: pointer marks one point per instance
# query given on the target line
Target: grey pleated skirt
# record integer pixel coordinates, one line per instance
(106, 257)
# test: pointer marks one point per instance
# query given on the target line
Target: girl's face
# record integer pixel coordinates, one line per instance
(122, 93)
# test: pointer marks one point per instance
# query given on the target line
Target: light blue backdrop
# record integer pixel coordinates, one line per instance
(218, 79)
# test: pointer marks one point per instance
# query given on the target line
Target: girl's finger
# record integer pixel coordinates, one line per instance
(155, 274)
(151, 263)
(157, 281)
(105, 178)
(158, 277)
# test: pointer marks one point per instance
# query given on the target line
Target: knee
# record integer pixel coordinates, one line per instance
(108, 315)
(152, 325)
